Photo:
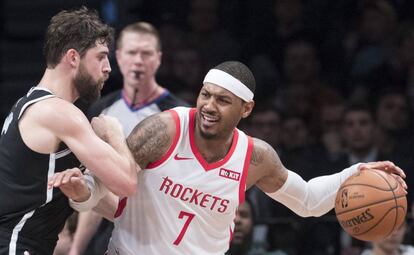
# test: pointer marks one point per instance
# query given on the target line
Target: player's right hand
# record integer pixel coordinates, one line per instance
(72, 183)
(388, 167)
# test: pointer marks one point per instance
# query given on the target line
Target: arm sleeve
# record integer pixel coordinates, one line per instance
(315, 197)
(98, 191)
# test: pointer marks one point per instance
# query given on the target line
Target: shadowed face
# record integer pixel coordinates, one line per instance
(358, 130)
(243, 224)
(392, 112)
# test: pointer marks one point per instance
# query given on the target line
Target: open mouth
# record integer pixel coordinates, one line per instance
(208, 119)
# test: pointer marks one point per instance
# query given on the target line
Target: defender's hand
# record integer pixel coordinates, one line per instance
(72, 183)
(106, 127)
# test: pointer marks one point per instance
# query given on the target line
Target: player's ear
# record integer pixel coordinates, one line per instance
(72, 57)
(247, 108)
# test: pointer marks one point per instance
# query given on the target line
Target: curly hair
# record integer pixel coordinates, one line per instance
(77, 29)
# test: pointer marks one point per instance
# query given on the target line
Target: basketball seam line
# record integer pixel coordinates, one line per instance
(366, 205)
(395, 200)
(372, 186)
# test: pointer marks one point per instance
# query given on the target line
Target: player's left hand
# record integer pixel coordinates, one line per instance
(72, 183)
(388, 167)
(106, 127)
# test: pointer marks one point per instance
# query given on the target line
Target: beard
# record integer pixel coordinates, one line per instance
(89, 90)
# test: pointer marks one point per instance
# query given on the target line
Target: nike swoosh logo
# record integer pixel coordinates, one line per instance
(176, 157)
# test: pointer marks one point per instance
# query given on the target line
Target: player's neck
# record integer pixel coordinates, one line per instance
(213, 149)
(59, 83)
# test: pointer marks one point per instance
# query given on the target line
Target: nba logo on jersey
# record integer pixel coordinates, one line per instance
(226, 173)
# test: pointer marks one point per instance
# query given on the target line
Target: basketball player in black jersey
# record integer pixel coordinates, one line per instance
(45, 133)
(138, 54)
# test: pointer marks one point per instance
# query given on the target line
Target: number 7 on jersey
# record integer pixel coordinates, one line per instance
(190, 217)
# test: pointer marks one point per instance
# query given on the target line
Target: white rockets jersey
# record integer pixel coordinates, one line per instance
(184, 205)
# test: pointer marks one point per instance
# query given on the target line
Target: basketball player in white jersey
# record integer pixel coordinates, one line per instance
(196, 167)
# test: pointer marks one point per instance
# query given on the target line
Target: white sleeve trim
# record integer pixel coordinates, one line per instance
(97, 189)
(313, 198)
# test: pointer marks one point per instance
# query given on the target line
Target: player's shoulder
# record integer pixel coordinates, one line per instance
(165, 118)
(54, 106)
(260, 146)
(56, 111)
(263, 154)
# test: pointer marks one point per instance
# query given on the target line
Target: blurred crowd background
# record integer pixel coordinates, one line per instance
(335, 82)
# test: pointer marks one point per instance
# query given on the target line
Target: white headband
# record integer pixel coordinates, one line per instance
(230, 83)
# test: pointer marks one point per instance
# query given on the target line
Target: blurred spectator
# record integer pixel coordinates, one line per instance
(330, 123)
(206, 32)
(188, 69)
(172, 37)
(358, 134)
(243, 242)
(370, 45)
(392, 245)
(393, 120)
(303, 88)
(299, 150)
(273, 24)
(266, 43)
(404, 64)
(394, 136)
(266, 123)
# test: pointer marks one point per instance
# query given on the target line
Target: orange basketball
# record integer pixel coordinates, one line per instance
(370, 205)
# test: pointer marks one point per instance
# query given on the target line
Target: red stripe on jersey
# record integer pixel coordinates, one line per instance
(121, 206)
(209, 166)
(242, 187)
(174, 143)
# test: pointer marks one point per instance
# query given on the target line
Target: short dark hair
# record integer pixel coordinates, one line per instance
(140, 28)
(74, 29)
(239, 71)
(358, 107)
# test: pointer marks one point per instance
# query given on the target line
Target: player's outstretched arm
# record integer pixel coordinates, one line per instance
(313, 198)
(152, 138)
(110, 161)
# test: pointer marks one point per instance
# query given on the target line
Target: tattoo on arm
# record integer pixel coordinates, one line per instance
(257, 155)
(272, 154)
(269, 174)
(149, 140)
(262, 150)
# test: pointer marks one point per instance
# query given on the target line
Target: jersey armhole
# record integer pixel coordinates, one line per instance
(173, 145)
(242, 187)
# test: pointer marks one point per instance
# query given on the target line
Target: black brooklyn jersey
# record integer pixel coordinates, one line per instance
(31, 216)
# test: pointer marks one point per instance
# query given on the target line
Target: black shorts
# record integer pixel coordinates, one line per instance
(24, 244)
